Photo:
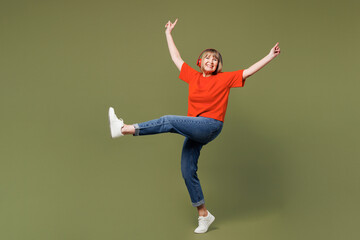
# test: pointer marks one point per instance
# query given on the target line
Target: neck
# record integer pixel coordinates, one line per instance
(207, 74)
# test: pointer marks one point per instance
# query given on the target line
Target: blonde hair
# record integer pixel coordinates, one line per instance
(214, 53)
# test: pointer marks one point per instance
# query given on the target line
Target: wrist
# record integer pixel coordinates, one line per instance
(270, 56)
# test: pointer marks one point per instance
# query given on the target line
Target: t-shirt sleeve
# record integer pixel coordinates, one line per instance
(236, 79)
(187, 73)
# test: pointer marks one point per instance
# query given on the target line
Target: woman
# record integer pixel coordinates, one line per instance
(208, 97)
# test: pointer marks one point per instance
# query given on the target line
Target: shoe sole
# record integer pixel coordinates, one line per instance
(112, 114)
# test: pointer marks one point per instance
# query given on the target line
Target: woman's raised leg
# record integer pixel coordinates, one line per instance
(199, 129)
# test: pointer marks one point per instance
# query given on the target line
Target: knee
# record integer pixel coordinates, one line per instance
(166, 117)
(169, 119)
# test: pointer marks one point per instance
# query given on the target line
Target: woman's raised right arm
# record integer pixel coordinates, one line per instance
(175, 55)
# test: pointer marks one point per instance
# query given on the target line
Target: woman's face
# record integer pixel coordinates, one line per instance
(210, 63)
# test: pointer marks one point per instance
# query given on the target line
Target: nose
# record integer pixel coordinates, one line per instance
(214, 61)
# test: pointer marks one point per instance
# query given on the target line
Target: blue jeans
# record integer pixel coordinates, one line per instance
(197, 131)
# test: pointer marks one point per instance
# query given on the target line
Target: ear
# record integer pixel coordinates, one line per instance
(199, 62)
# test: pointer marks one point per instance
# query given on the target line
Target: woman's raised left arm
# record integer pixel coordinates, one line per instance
(260, 64)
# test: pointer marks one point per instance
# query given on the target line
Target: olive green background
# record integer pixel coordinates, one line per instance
(286, 165)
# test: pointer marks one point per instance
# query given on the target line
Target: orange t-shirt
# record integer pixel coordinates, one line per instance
(208, 96)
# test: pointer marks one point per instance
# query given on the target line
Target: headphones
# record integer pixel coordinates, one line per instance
(198, 62)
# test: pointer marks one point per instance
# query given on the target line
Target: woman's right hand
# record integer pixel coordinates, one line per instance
(170, 26)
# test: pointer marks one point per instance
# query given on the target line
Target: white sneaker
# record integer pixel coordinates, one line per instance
(204, 223)
(115, 124)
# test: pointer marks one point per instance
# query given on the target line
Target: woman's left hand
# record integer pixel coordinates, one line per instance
(275, 51)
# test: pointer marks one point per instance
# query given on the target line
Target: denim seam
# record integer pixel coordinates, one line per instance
(168, 122)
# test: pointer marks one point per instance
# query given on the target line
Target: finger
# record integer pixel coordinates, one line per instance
(175, 21)
(276, 44)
